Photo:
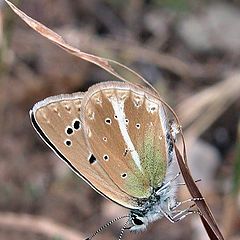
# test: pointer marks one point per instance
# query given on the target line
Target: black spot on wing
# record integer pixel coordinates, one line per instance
(61, 156)
(69, 130)
(76, 124)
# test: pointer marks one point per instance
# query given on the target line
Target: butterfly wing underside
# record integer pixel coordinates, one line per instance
(57, 120)
(126, 129)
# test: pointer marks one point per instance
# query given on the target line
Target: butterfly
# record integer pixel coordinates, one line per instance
(116, 137)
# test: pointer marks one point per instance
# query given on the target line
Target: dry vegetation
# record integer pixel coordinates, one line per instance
(40, 198)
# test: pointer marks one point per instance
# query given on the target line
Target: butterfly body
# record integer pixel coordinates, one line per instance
(117, 137)
(154, 208)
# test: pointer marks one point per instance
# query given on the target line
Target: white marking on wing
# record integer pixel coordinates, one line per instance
(164, 122)
(163, 119)
(119, 112)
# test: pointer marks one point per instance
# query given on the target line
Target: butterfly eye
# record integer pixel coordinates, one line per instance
(137, 221)
(127, 121)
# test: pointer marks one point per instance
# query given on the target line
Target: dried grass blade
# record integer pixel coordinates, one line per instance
(206, 215)
(115, 68)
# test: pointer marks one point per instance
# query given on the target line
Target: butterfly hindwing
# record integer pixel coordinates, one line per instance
(125, 128)
(57, 120)
(148, 129)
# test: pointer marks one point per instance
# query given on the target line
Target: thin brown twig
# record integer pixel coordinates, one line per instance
(198, 112)
(131, 50)
(45, 226)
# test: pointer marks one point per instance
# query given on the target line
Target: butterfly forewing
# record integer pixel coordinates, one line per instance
(125, 132)
(57, 120)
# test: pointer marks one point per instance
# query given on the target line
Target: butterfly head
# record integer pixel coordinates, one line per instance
(139, 219)
(138, 222)
(159, 204)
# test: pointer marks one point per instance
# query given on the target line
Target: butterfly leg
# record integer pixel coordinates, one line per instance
(177, 204)
(183, 213)
(183, 183)
(180, 214)
(169, 183)
(179, 218)
(174, 215)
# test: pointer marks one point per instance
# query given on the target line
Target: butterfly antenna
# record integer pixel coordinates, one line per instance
(122, 230)
(105, 226)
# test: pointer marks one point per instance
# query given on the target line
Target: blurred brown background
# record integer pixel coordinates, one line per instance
(189, 50)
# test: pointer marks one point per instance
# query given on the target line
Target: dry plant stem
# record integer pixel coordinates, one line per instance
(205, 213)
(131, 50)
(28, 223)
(202, 109)
(115, 68)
